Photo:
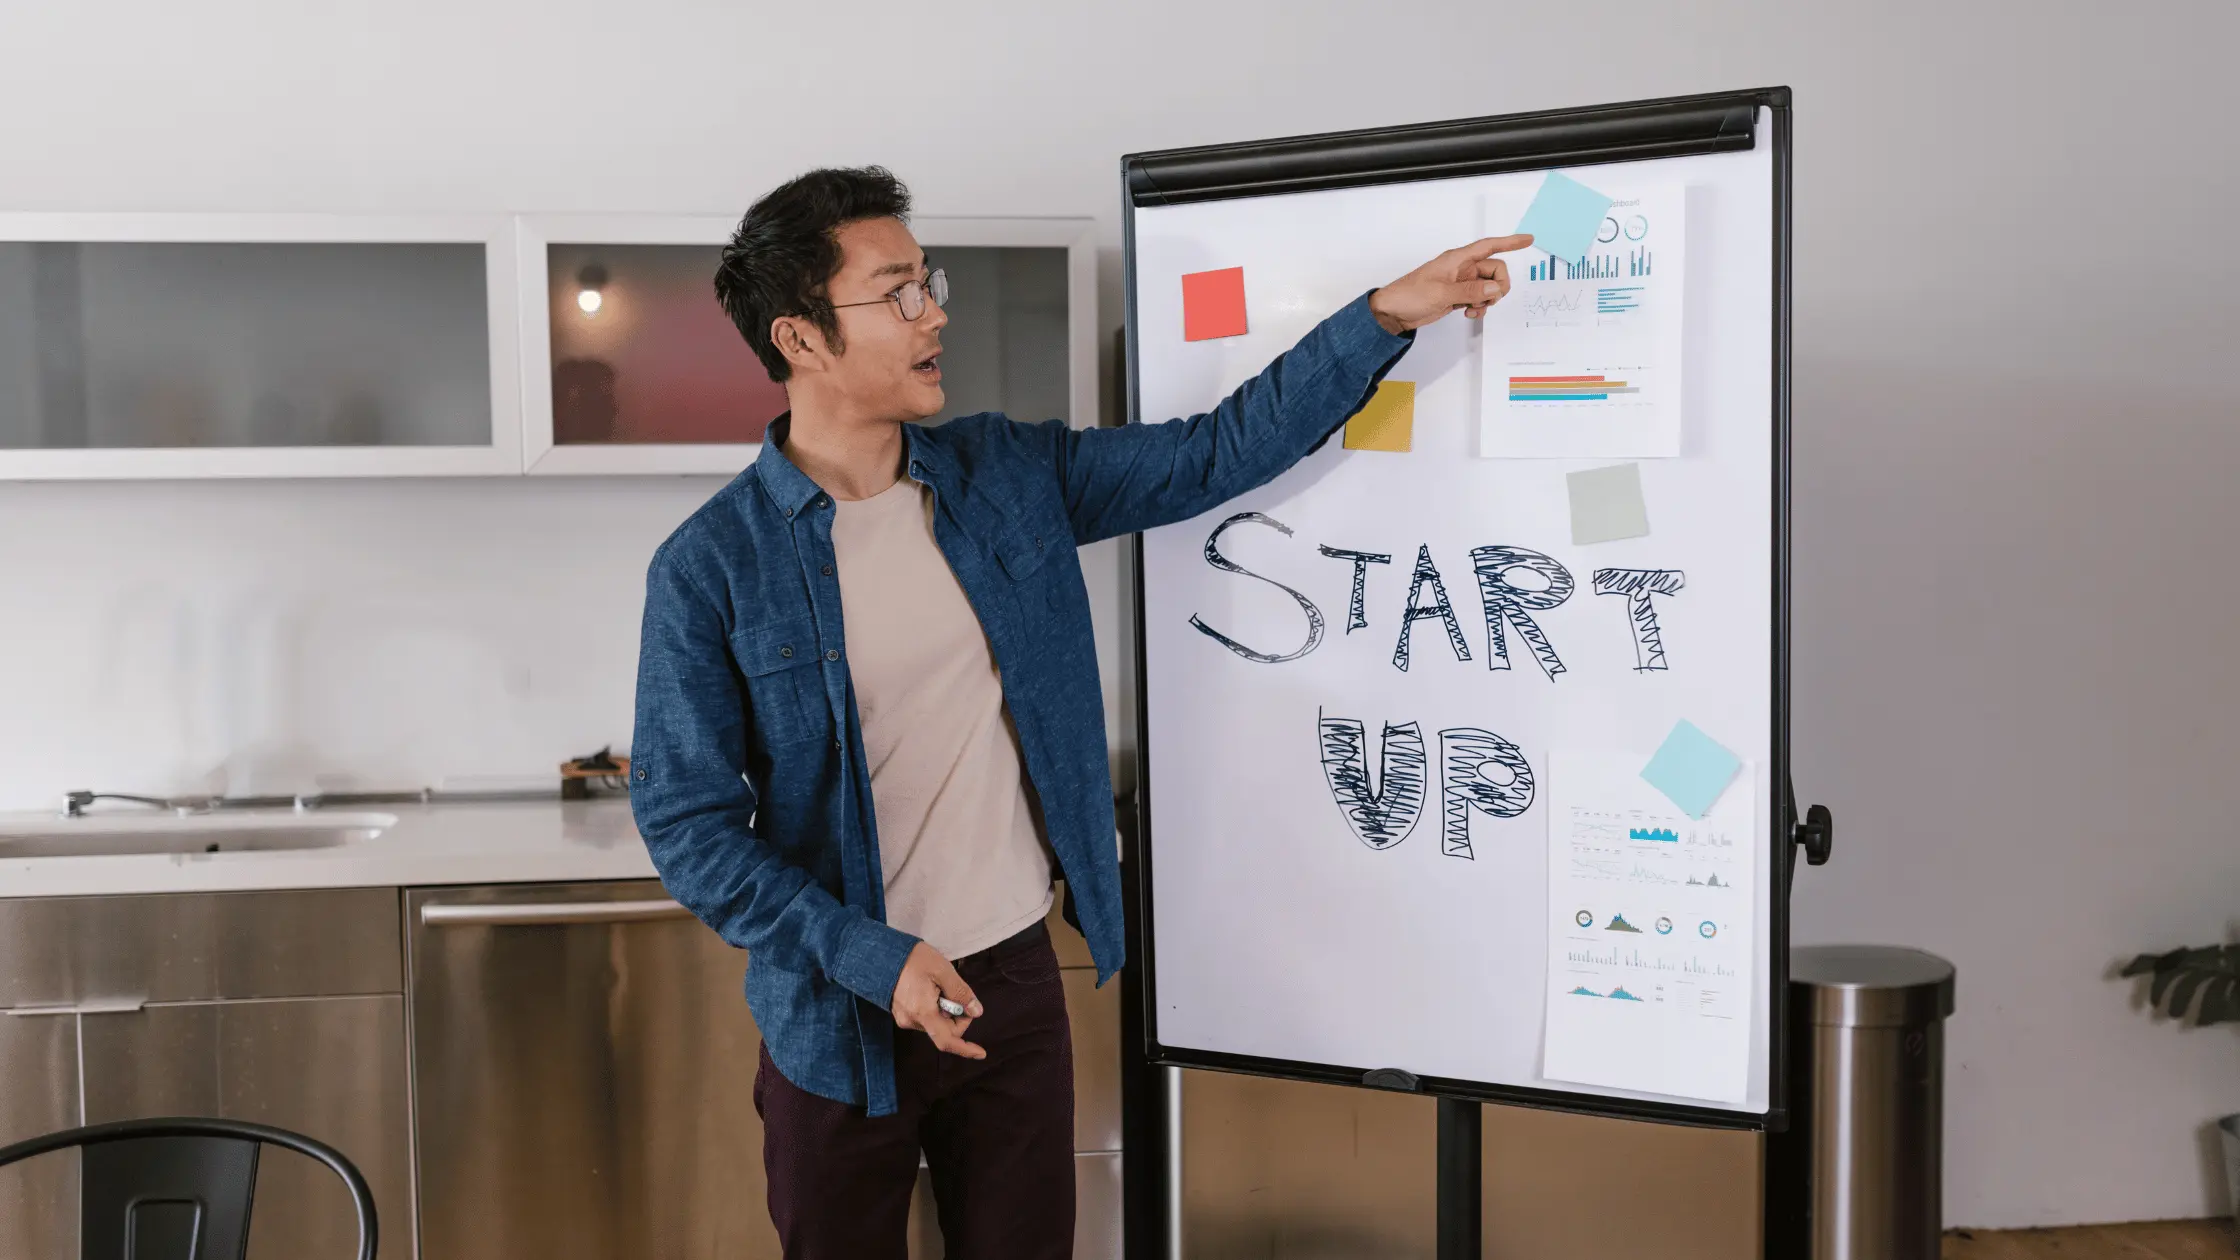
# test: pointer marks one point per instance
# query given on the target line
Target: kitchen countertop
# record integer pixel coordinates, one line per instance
(448, 843)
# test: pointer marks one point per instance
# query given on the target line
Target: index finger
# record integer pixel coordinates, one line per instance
(947, 1041)
(1495, 245)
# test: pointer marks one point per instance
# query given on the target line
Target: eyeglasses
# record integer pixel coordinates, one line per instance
(909, 298)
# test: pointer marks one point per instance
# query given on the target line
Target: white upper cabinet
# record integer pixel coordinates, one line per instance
(172, 345)
(160, 345)
(632, 367)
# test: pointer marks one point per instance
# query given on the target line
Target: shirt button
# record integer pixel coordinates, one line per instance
(785, 651)
(828, 570)
(823, 501)
(837, 746)
(833, 655)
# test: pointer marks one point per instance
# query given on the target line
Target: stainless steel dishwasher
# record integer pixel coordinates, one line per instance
(583, 1066)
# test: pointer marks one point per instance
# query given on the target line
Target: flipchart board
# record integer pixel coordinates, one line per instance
(1465, 741)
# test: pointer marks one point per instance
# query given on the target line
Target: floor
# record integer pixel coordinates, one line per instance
(2150, 1240)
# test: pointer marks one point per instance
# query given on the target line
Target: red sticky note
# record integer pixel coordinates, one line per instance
(1213, 304)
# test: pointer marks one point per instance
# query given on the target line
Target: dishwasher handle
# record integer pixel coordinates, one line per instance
(538, 913)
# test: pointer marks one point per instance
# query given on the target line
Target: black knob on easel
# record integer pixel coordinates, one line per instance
(1817, 833)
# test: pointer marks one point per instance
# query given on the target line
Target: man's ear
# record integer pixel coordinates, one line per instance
(801, 342)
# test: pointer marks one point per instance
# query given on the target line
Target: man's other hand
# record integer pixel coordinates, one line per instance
(926, 978)
(1468, 279)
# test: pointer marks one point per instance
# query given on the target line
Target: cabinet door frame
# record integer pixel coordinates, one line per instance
(501, 456)
(541, 457)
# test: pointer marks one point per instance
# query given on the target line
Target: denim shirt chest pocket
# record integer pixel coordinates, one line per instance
(1028, 548)
(1019, 534)
(1020, 551)
(785, 689)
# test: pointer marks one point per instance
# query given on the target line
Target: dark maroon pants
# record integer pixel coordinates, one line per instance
(997, 1132)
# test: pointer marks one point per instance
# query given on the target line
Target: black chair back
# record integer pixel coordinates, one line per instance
(180, 1189)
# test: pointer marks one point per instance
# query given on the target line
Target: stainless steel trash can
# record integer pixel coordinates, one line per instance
(1868, 1081)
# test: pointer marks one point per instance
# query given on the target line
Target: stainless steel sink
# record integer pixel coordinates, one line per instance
(104, 835)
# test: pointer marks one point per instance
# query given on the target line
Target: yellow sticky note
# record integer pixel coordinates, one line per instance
(1387, 422)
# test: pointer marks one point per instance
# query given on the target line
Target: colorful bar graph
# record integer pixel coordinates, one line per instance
(1538, 389)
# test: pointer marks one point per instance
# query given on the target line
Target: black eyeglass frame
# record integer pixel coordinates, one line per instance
(936, 279)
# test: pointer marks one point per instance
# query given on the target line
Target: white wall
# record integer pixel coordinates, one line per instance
(2016, 424)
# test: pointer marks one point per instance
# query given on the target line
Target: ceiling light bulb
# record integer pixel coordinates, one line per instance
(590, 301)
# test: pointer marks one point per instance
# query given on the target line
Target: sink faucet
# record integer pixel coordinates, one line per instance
(74, 803)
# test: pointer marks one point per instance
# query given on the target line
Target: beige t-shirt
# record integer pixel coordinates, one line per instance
(965, 863)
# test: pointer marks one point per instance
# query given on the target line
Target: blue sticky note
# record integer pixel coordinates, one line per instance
(1565, 217)
(1692, 769)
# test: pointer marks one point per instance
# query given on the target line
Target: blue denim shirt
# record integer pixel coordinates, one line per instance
(747, 766)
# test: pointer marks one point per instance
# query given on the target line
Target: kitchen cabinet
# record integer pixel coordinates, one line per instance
(332, 1068)
(38, 1095)
(283, 1008)
(519, 1070)
(197, 345)
(630, 366)
(584, 1064)
(184, 345)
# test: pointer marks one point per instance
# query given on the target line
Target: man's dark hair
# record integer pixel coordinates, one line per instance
(786, 251)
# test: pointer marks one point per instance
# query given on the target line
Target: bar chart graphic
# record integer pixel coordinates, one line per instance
(1631, 265)
(1563, 389)
(1617, 299)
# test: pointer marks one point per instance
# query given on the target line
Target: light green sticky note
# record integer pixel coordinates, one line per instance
(1606, 505)
(1691, 768)
(1564, 217)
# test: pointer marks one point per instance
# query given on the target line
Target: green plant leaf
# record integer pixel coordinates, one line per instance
(2159, 988)
(2141, 965)
(2220, 1002)
(2176, 978)
(2189, 983)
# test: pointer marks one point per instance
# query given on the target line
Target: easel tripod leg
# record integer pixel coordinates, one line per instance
(1461, 1190)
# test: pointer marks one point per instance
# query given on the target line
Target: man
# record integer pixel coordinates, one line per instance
(869, 716)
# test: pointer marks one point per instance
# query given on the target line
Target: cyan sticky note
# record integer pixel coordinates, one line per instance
(1565, 217)
(1606, 504)
(1691, 769)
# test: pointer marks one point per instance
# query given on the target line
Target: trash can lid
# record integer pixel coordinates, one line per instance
(1870, 986)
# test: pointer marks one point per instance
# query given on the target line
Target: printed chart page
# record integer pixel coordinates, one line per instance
(1651, 962)
(1583, 358)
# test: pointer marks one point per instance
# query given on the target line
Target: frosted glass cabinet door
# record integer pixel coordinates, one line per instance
(642, 353)
(630, 365)
(154, 346)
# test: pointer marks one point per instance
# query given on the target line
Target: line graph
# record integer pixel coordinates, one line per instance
(1541, 305)
(1555, 309)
